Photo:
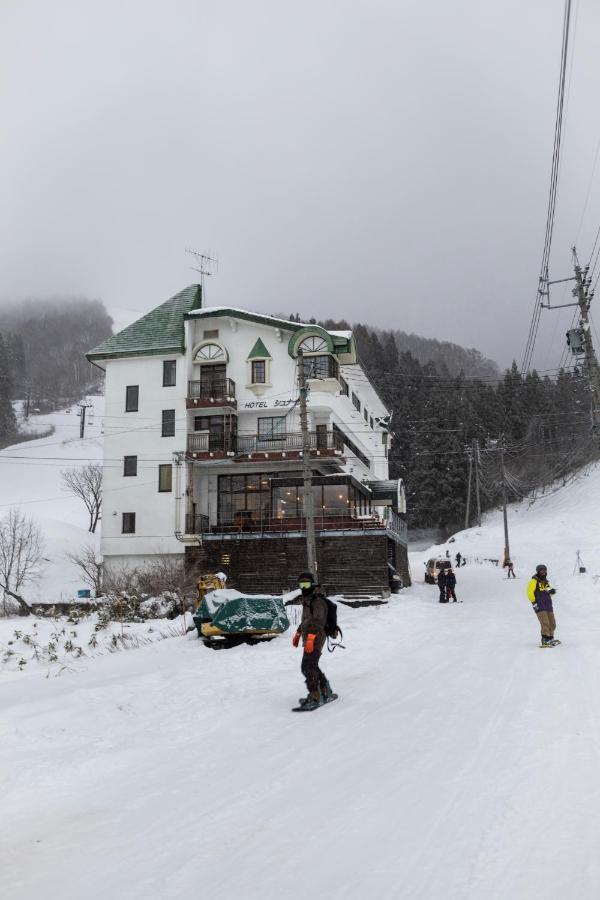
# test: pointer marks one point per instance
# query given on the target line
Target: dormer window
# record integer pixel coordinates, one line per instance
(259, 368)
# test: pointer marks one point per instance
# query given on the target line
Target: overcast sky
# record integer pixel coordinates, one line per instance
(385, 161)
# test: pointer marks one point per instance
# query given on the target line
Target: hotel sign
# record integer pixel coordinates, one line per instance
(267, 404)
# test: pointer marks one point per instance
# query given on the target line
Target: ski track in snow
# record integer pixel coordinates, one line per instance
(460, 762)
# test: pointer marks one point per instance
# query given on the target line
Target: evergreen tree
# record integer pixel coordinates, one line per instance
(8, 425)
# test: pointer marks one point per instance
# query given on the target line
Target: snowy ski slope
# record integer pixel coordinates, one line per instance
(461, 761)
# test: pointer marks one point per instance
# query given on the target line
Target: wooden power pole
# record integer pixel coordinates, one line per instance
(309, 500)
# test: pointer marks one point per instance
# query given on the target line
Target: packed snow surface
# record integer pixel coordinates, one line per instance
(461, 761)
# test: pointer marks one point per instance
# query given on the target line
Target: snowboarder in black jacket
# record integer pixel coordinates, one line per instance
(441, 579)
(312, 633)
(450, 585)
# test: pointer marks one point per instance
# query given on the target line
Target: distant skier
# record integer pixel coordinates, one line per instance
(313, 634)
(450, 585)
(458, 559)
(441, 580)
(510, 573)
(540, 594)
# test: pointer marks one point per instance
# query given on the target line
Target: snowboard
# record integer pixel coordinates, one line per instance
(324, 703)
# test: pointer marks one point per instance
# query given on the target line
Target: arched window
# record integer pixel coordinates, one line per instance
(314, 343)
(210, 353)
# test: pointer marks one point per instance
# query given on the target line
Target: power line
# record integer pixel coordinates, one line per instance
(552, 194)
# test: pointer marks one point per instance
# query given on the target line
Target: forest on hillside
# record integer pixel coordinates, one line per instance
(42, 362)
(543, 424)
(449, 403)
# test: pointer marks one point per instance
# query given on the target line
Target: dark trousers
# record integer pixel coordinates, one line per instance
(313, 675)
(451, 594)
(443, 598)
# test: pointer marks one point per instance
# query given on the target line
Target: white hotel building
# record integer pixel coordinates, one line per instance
(202, 450)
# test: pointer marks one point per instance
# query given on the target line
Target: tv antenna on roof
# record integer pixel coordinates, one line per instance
(204, 265)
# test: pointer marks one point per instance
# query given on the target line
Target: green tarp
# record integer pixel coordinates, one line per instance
(242, 615)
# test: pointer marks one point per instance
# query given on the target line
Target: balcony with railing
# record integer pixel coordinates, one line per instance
(253, 522)
(257, 447)
(211, 394)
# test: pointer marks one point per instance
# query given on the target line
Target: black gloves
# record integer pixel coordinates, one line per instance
(552, 591)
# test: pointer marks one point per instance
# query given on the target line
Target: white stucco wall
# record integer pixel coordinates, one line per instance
(139, 434)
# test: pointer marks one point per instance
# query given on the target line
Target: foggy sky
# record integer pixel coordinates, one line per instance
(385, 161)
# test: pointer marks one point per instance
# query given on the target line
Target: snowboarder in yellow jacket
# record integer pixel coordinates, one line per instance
(540, 594)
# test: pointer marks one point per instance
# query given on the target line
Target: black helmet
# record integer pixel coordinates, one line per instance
(541, 568)
(307, 582)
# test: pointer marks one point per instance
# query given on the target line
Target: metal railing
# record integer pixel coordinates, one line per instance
(204, 442)
(216, 389)
(397, 526)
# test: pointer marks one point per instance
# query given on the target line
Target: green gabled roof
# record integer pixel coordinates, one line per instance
(259, 351)
(159, 331)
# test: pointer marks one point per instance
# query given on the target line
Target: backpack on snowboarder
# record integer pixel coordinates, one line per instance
(332, 629)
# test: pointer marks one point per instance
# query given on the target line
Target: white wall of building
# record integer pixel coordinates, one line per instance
(139, 434)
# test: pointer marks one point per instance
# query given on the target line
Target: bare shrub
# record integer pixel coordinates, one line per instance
(21, 551)
(90, 567)
(86, 483)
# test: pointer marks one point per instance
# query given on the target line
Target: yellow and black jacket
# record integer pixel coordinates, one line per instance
(538, 592)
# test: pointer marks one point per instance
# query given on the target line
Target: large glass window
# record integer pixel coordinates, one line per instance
(330, 501)
(244, 499)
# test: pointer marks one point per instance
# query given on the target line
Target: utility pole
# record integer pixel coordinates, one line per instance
(83, 407)
(309, 500)
(468, 451)
(476, 459)
(584, 298)
(503, 474)
(580, 339)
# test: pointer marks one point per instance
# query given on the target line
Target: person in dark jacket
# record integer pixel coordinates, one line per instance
(450, 585)
(540, 595)
(312, 632)
(458, 558)
(441, 580)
